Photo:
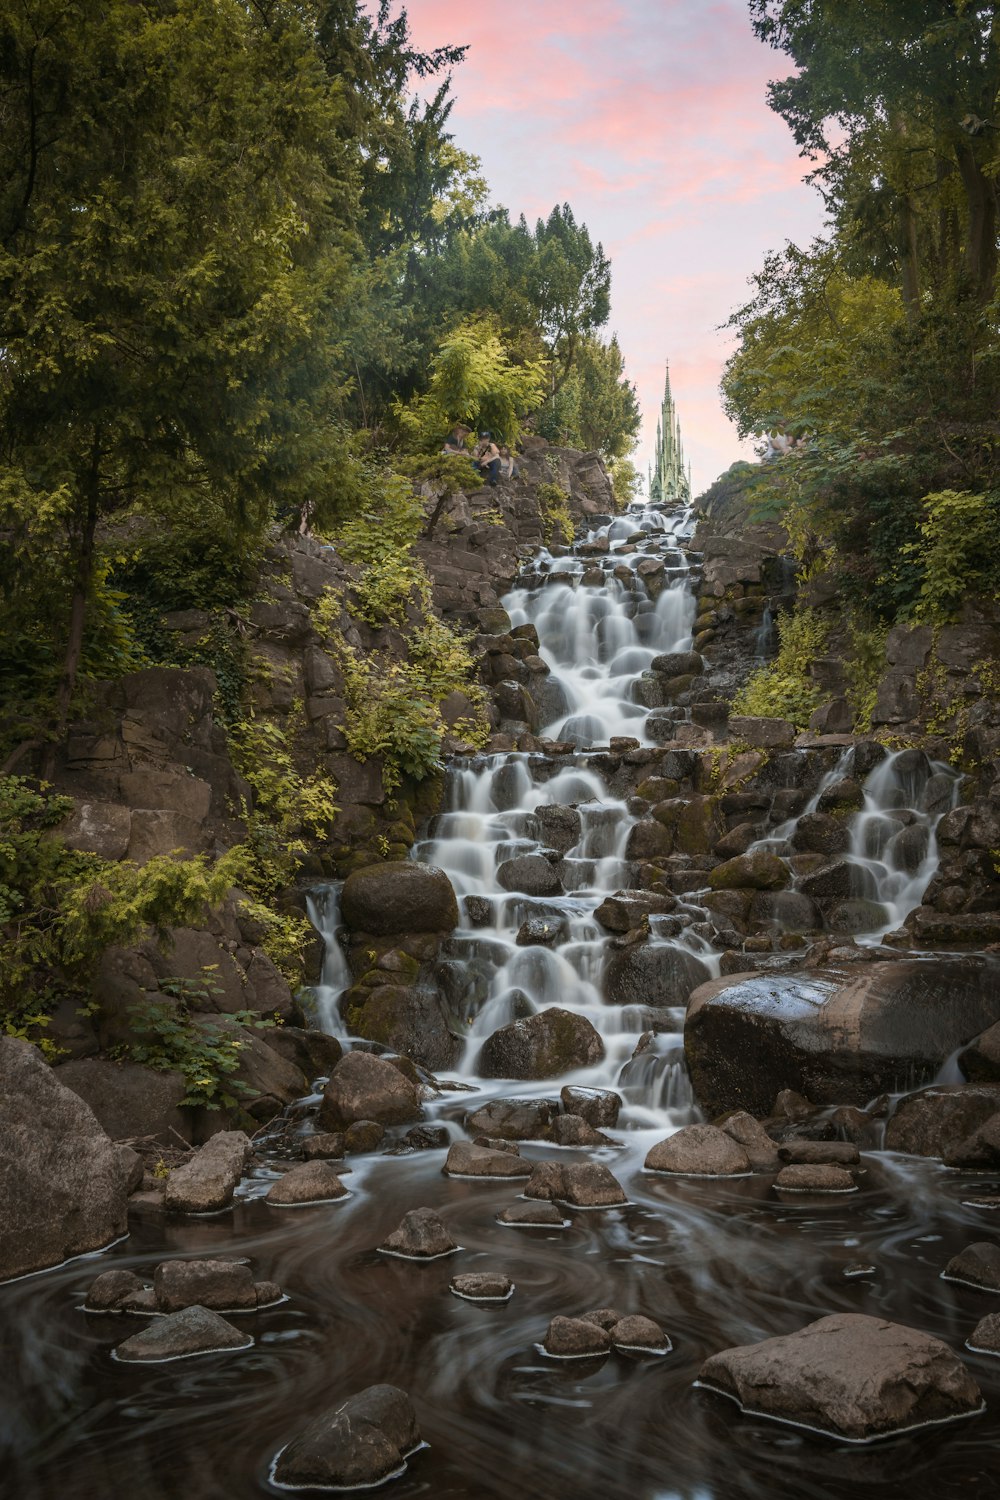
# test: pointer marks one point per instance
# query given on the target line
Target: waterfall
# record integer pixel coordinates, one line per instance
(323, 907)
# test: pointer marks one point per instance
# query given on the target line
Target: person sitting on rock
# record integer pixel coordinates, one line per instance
(486, 457)
(508, 464)
(454, 443)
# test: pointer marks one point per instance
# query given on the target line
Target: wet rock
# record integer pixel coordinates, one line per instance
(853, 1376)
(541, 1046)
(496, 1143)
(978, 1265)
(64, 1185)
(838, 881)
(639, 1333)
(758, 871)
(478, 910)
(573, 1130)
(821, 833)
(738, 840)
(762, 734)
(840, 1034)
(820, 1153)
(269, 1293)
(129, 1099)
(356, 1445)
(427, 1138)
(363, 1136)
(699, 1151)
(559, 826)
(648, 839)
(513, 1119)
(751, 1135)
(846, 795)
(410, 1019)
(399, 897)
(575, 1338)
(483, 1286)
(206, 1182)
(112, 1290)
(980, 1062)
(194, 1330)
(604, 1317)
(364, 1087)
(546, 1181)
(937, 1120)
(222, 1285)
(329, 1146)
(531, 874)
(540, 932)
(312, 1182)
(599, 1107)
(653, 974)
(590, 1185)
(979, 1150)
(985, 1337)
(624, 912)
(421, 1236)
(678, 664)
(533, 1215)
(805, 1178)
(465, 1159)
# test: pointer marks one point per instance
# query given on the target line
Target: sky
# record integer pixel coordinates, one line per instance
(650, 118)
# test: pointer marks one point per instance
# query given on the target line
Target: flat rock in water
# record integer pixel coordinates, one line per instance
(312, 1182)
(111, 1291)
(802, 1178)
(978, 1264)
(207, 1182)
(483, 1286)
(222, 1285)
(465, 1159)
(534, 1215)
(820, 1153)
(513, 1119)
(421, 1236)
(576, 1338)
(985, 1337)
(637, 1332)
(749, 1133)
(849, 1375)
(699, 1151)
(194, 1330)
(587, 1184)
(355, 1445)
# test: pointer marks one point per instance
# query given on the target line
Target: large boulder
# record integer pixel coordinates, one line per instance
(399, 897)
(653, 974)
(542, 1046)
(409, 1019)
(839, 1035)
(852, 1376)
(364, 1087)
(699, 1151)
(938, 1120)
(757, 870)
(355, 1445)
(62, 1182)
(131, 1100)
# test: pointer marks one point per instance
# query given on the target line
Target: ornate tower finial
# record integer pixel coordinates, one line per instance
(669, 479)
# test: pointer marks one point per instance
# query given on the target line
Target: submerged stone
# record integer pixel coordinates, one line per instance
(180, 1335)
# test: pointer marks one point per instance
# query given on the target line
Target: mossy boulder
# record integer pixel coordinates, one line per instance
(542, 1046)
(653, 974)
(758, 870)
(409, 1019)
(399, 897)
(691, 820)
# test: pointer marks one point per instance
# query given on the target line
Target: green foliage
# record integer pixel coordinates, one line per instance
(866, 665)
(557, 523)
(626, 481)
(208, 1053)
(782, 690)
(473, 380)
(958, 552)
(594, 406)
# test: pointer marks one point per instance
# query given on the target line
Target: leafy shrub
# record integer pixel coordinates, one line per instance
(958, 551)
(206, 1052)
(782, 690)
(557, 523)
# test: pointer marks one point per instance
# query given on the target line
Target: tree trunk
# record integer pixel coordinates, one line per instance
(981, 229)
(82, 577)
(908, 259)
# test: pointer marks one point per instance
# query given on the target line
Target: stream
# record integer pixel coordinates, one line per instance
(716, 1262)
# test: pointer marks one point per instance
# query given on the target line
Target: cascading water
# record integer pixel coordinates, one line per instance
(323, 906)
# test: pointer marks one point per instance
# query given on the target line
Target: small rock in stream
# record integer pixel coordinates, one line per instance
(546, 1181)
(483, 1286)
(329, 1146)
(222, 1285)
(985, 1337)
(180, 1335)
(312, 1182)
(640, 1334)
(363, 1137)
(749, 1133)
(576, 1338)
(820, 1153)
(802, 1178)
(465, 1159)
(111, 1291)
(848, 1375)
(207, 1182)
(533, 1215)
(977, 1265)
(699, 1151)
(421, 1236)
(356, 1445)
(513, 1119)
(604, 1317)
(588, 1184)
(573, 1130)
(599, 1107)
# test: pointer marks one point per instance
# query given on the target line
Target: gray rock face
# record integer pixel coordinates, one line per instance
(328, 1146)
(820, 1153)
(363, 1087)
(355, 1445)
(939, 1120)
(206, 1183)
(699, 1151)
(62, 1182)
(978, 1264)
(573, 1130)
(576, 1338)
(514, 1119)
(852, 1376)
(542, 1046)
(839, 1035)
(759, 870)
(820, 1178)
(195, 1330)
(399, 897)
(421, 1236)
(763, 734)
(466, 1159)
(222, 1285)
(128, 1099)
(312, 1182)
